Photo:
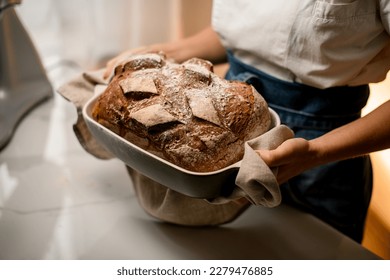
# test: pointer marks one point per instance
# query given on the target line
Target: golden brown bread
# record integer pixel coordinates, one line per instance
(183, 113)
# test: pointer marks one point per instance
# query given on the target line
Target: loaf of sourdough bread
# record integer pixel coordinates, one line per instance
(183, 113)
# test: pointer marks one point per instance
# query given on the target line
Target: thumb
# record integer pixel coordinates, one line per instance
(266, 156)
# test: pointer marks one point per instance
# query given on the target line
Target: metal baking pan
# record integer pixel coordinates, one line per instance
(205, 185)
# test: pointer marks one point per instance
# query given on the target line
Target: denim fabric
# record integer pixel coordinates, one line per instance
(338, 193)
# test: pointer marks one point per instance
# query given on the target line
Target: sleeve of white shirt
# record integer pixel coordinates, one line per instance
(385, 14)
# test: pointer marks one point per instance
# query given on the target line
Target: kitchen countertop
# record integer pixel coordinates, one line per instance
(59, 202)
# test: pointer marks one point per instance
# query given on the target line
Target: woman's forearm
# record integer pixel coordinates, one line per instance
(205, 44)
(368, 134)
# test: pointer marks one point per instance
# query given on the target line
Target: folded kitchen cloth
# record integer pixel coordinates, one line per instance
(170, 206)
(256, 183)
(255, 180)
(78, 91)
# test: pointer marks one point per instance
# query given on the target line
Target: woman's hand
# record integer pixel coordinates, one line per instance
(204, 44)
(171, 50)
(292, 157)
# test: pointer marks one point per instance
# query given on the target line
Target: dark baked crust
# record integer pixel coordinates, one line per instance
(183, 113)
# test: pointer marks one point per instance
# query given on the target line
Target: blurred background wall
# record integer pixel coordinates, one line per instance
(88, 32)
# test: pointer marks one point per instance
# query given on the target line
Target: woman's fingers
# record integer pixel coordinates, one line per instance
(291, 158)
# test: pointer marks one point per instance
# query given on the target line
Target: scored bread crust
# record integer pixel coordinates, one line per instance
(183, 113)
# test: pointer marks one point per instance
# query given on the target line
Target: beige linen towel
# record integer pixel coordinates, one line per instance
(255, 180)
(256, 183)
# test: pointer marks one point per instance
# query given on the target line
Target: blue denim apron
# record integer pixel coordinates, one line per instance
(338, 193)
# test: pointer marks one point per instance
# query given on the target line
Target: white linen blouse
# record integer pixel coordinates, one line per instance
(321, 43)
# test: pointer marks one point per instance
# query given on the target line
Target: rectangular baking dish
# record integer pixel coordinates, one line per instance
(206, 185)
